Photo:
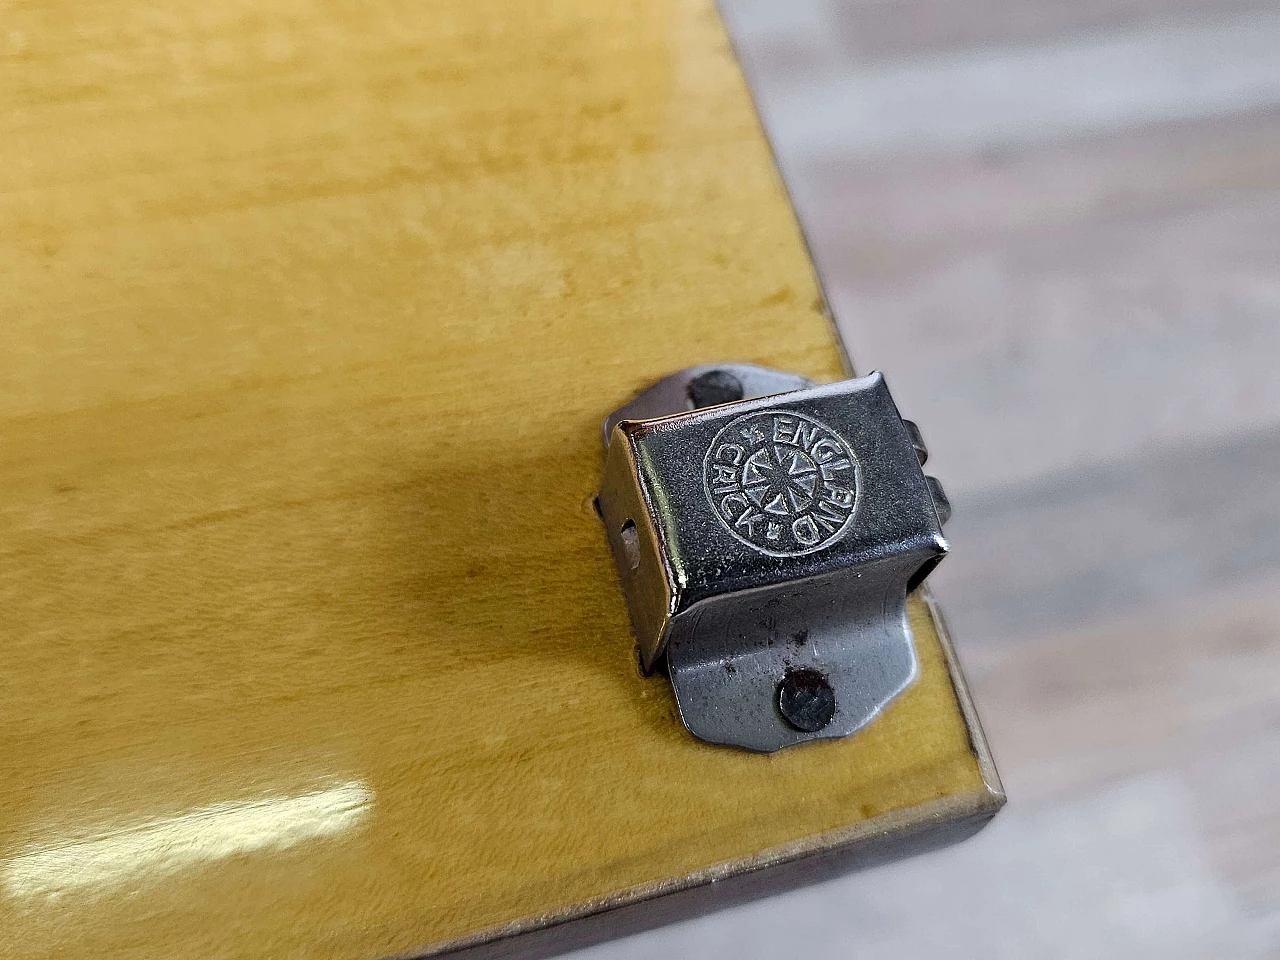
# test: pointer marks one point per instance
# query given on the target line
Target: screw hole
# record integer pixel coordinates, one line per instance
(630, 537)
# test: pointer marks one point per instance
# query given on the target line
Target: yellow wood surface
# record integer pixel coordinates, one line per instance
(312, 645)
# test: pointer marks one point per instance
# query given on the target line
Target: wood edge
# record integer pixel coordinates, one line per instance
(775, 162)
(871, 842)
(977, 736)
(877, 840)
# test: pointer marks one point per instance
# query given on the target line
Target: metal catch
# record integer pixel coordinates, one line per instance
(767, 532)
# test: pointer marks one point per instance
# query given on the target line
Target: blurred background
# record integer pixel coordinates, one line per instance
(1055, 224)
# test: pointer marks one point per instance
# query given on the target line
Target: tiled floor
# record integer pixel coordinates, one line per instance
(1055, 224)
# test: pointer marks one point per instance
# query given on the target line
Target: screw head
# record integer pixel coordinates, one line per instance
(806, 700)
(714, 387)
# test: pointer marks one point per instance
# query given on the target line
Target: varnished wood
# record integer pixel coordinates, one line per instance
(312, 644)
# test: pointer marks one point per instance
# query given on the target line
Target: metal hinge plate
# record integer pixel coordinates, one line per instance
(766, 533)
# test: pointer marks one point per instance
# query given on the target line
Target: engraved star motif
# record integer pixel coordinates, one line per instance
(773, 487)
(780, 482)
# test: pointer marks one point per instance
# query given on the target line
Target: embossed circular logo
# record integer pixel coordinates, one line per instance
(781, 482)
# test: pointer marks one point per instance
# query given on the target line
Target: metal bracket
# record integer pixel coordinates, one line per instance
(766, 532)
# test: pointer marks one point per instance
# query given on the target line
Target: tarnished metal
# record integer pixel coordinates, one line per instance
(766, 546)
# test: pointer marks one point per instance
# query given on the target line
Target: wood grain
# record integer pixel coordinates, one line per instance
(313, 646)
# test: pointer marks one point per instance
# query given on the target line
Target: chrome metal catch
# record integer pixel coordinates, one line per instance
(767, 532)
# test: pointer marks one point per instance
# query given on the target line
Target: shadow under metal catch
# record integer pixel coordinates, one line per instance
(767, 532)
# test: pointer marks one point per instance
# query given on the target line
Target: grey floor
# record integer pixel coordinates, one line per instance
(1055, 225)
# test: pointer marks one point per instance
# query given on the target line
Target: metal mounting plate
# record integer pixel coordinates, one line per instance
(692, 388)
(766, 545)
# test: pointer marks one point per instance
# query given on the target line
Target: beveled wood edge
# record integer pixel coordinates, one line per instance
(743, 66)
(890, 836)
(977, 736)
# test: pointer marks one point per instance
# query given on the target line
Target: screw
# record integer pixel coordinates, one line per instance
(714, 387)
(806, 700)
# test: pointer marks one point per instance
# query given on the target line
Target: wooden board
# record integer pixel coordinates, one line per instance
(312, 644)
